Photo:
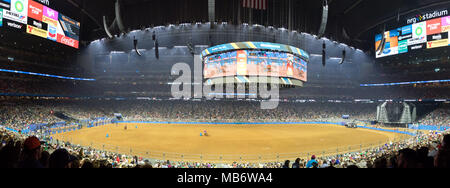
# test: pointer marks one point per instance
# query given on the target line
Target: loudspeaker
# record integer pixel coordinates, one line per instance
(343, 57)
(156, 49)
(135, 42)
(324, 59)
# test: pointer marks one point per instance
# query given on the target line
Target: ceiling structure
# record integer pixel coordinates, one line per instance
(360, 19)
(353, 22)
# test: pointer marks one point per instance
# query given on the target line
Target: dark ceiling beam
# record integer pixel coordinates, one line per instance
(85, 12)
(400, 14)
(352, 7)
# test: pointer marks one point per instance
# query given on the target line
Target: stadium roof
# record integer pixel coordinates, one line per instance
(360, 19)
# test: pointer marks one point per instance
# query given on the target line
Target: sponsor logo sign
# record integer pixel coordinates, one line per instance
(14, 16)
(391, 47)
(35, 10)
(20, 7)
(445, 24)
(1, 17)
(50, 13)
(437, 43)
(427, 16)
(52, 34)
(36, 31)
(70, 28)
(403, 46)
(67, 41)
(417, 47)
(46, 2)
(5, 4)
(419, 34)
(9, 24)
(37, 24)
(434, 26)
(405, 33)
(439, 36)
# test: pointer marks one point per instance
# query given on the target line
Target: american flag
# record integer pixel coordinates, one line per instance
(255, 4)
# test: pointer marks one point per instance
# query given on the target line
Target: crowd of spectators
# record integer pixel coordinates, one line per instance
(426, 150)
(18, 114)
(439, 116)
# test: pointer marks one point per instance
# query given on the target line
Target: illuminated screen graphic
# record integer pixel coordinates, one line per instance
(422, 35)
(255, 62)
(33, 18)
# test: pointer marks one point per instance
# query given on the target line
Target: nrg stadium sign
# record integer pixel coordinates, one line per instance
(46, 2)
(427, 16)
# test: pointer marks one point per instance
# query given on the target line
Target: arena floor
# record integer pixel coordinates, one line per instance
(228, 143)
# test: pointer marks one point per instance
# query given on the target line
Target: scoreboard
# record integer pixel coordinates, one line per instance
(34, 18)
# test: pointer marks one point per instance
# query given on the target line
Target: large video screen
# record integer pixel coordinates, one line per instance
(255, 63)
(34, 18)
(422, 35)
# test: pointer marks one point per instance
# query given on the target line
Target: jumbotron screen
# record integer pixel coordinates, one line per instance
(37, 19)
(257, 62)
(432, 33)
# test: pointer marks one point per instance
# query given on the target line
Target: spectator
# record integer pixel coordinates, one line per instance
(31, 153)
(296, 163)
(286, 164)
(60, 159)
(310, 162)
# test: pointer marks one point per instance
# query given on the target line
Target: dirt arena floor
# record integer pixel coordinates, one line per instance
(227, 142)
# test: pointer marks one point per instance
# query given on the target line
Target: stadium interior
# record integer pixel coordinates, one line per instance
(101, 90)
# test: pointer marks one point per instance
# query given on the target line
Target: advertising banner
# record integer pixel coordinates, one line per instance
(1, 17)
(70, 28)
(67, 41)
(35, 10)
(391, 46)
(50, 14)
(434, 26)
(37, 24)
(419, 34)
(437, 43)
(36, 31)
(445, 24)
(14, 16)
(402, 46)
(417, 47)
(12, 25)
(5, 4)
(20, 7)
(52, 34)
